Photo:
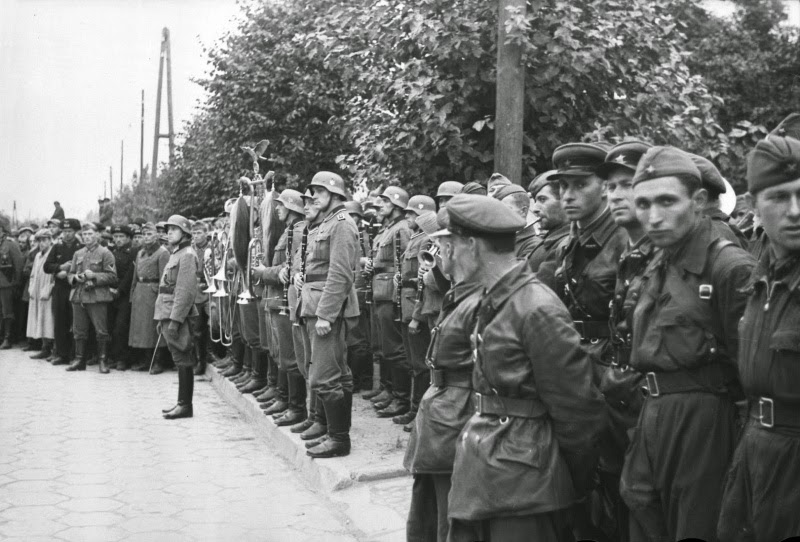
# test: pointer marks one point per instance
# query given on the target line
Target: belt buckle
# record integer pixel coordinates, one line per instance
(478, 403)
(652, 384)
(762, 419)
(580, 328)
(437, 378)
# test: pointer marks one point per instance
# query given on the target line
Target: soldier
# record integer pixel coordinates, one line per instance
(388, 246)
(474, 188)
(684, 341)
(714, 184)
(161, 228)
(517, 200)
(147, 271)
(136, 241)
(525, 455)
(58, 263)
(201, 335)
(92, 274)
(553, 221)
(11, 264)
(120, 308)
(24, 241)
(446, 191)
(761, 500)
(496, 182)
(176, 313)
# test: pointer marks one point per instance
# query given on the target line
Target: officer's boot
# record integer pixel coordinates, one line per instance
(79, 363)
(281, 402)
(338, 442)
(259, 379)
(47, 349)
(296, 413)
(237, 359)
(386, 395)
(320, 426)
(366, 370)
(247, 366)
(309, 421)
(201, 353)
(370, 395)
(102, 355)
(158, 362)
(185, 392)
(401, 380)
(8, 329)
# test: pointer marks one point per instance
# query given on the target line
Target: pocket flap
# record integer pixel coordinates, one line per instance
(785, 339)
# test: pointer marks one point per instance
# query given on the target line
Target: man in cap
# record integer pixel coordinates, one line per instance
(388, 247)
(517, 200)
(525, 455)
(120, 308)
(176, 313)
(151, 260)
(496, 182)
(446, 191)
(761, 500)
(28, 250)
(11, 264)
(714, 184)
(58, 263)
(473, 187)
(136, 241)
(200, 245)
(553, 221)
(684, 340)
(92, 273)
(58, 212)
(54, 225)
(161, 228)
(328, 300)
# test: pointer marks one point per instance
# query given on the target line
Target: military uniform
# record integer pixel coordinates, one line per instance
(358, 336)
(11, 264)
(147, 272)
(201, 332)
(61, 254)
(120, 307)
(550, 239)
(527, 239)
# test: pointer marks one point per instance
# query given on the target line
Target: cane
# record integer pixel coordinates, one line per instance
(155, 351)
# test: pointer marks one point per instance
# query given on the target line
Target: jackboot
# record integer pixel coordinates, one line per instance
(259, 378)
(338, 442)
(237, 359)
(320, 425)
(102, 355)
(297, 401)
(185, 392)
(395, 408)
(316, 442)
(419, 385)
(78, 364)
(201, 347)
(47, 349)
(276, 408)
(401, 392)
(383, 396)
(247, 366)
(302, 426)
(8, 328)
(270, 394)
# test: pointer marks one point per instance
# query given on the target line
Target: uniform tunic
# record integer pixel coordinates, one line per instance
(61, 253)
(149, 267)
(90, 298)
(526, 242)
(545, 251)
(761, 496)
(11, 264)
(175, 302)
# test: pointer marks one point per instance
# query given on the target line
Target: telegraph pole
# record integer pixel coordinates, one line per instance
(510, 106)
(141, 144)
(164, 56)
(110, 183)
(121, 163)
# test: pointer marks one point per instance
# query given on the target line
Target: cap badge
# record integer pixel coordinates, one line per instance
(395, 196)
(650, 169)
(620, 159)
(420, 206)
(331, 182)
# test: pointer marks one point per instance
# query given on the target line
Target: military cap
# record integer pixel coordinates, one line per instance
(180, 222)
(396, 195)
(161, 225)
(56, 222)
(443, 223)
(354, 208)
(508, 190)
(122, 229)
(427, 222)
(25, 228)
(149, 226)
(292, 200)
(449, 189)
(89, 226)
(790, 126)
(474, 188)
(331, 182)
(710, 177)
(421, 204)
(71, 224)
(499, 179)
(42, 233)
(623, 155)
(136, 229)
(580, 159)
(482, 215)
(660, 162)
(139, 221)
(774, 161)
(540, 181)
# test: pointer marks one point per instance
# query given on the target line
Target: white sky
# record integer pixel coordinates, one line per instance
(71, 76)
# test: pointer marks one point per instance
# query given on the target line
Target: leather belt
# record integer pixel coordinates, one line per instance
(322, 277)
(148, 280)
(713, 378)
(769, 412)
(495, 405)
(381, 270)
(593, 329)
(166, 289)
(409, 283)
(443, 378)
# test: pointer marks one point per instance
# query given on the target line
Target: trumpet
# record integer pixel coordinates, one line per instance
(220, 296)
(428, 257)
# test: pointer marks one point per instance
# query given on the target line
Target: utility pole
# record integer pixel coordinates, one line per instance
(141, 144)
(121, 162)
(510, 106)
(110, 183)
(164, 56)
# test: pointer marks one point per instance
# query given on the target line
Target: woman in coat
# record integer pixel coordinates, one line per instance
(40, 291)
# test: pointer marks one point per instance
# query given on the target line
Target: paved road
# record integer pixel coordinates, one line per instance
(85, 456)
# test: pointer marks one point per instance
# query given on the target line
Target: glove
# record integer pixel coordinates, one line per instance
(173, 327)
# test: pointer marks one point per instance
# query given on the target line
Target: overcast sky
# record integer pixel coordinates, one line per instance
(71, 76)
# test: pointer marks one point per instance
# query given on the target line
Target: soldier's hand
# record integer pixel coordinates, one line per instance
(65, 266)
(61, 274)
(259, 269)
(172, 329)
(89, 274)
(298, 281)
(323, 327)
(283, 275)
(79, 278)
(369, 266)
(398, 281)
(413, 327)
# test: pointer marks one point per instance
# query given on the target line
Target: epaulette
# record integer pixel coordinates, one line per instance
(340, 216)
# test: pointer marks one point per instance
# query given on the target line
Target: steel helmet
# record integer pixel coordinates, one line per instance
(180, 222)
(396, 195)
(354, 208)
(421, 204)
(292, 200)
(307, 195)
(331, 182)
(449, 189)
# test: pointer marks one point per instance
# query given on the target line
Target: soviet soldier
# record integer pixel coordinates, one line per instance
(761, 500)
(92, 274)
(684, 341)
(176, 313)
(11, 263)
(524, 457)
(120, 307)
(328, 299)
(546, 199)
(714, 184)
(58, 263)
(496, 182)
(516, 199)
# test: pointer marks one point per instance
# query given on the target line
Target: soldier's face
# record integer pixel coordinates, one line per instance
(778, 208)
(444, 200)
(89, 237)
(666, 210)
(385, 207)
(137, 240)
(581, 196)
(281, 211)
(23, 237)
(411, 217)
(120, 239)
(174, 235)
(619, 190)
(310, 209)
(547, 207)
(198, 237)
(322, 198)
(149, 237)
(445, 243)
(69, 235)
(465, 257)
(54, 230)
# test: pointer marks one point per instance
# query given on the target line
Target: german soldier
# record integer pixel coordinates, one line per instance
(176, 313)
(11, 263)
(58, 263)
(120, 308)
(201, 332)
(684, 341)
(92, 274)
(524, 456)
(446, 191)
(761, 500)
(496, 182)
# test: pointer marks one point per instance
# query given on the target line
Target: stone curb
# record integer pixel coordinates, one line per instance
(378, 445)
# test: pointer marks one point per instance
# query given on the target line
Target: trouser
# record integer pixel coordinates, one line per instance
(283, 343)
(276, 375)
(96, 314)
(427, 516)
(180, 344)
(120, 324)
(675, 466)
(21, 318)
(547, 527)
(62, 319)
(328, 373)
(392, 350)
(248, 318)
(201, 331)
(359, 352)
(7, 303)
(315, 409)
(416, 346)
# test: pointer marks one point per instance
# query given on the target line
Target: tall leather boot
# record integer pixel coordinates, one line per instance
(201, 352)
(185, 392)
(8, 329)
(309, 421)
(281, 403)
(237, 359)
(382, 381)
(401, 379)
(247, 366)
(338, 442)
(259, 378)
(296, 412)
(102, 355)
(386, 395)
(79, 363)
(320, 426)
(47, 349)
(419, 385)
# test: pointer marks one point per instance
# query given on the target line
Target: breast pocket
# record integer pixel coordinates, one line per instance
(170, 276)
(321, 250)
(386, 252)
(95, 264)
(684, 341)
(785, 347)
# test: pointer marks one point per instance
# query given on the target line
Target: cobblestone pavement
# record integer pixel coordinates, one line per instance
(85, 456)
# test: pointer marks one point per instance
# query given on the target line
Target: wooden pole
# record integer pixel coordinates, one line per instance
(510, 106)
(157, 131)
(141, 144)
(110, 183)
(171, 133)
(121, 162)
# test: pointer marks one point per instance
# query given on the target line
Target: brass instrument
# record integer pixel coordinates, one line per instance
(285, 301)
(428, 257)
(398, 279)
(370, 227)
(303, 247)
(220, 296)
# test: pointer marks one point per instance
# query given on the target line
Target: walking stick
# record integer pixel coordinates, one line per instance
(155, 351)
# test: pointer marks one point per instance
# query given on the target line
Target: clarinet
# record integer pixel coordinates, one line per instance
(368, 276)
(420, 285)
(398, 277)
(303, 246)
(285, 302)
